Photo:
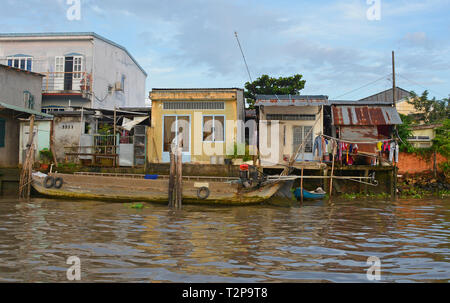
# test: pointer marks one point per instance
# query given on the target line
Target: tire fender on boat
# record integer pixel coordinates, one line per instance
(49, 182)
(203, 193)
(59, 182)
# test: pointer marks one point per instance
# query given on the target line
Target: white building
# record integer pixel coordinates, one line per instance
(81, 69)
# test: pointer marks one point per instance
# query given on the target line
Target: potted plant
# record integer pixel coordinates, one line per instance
(46, 157)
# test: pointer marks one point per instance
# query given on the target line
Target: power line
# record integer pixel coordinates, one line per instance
(243, 56)
(384, 77)
(415, 83)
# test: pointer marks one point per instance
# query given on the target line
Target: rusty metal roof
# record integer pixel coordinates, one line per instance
(291, 100)
(365, 115)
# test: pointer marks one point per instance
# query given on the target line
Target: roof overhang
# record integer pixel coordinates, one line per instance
(24, 110)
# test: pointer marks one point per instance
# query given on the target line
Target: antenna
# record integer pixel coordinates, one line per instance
(243, 56)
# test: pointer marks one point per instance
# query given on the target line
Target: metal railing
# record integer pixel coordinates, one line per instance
(67, 81)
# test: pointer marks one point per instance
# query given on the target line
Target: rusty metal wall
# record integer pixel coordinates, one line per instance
(359, 134)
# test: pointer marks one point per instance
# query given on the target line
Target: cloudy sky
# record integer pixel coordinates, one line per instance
(333, 44)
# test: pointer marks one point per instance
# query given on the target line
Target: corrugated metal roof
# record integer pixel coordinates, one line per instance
(24, 110)
(386, 95)
(291, 100)
(365, 115)
(359, 102)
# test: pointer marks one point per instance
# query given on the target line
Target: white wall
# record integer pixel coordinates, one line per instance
(110, 64)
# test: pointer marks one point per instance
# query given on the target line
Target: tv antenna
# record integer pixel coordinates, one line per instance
(243, 56)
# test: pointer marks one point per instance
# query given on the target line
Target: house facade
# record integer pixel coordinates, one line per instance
(422, 135)
(285, 123)
(80, 69)
(206, 119)
(20, 97)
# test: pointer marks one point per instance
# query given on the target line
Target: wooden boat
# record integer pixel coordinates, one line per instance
(126, 187)
(318, 194)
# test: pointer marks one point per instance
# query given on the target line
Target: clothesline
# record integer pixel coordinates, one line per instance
(358, 142)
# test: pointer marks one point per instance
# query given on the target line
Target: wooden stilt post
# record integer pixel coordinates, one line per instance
(332, 170)
(27, 165)
(301, 188)
(172, 179)
(179, 180)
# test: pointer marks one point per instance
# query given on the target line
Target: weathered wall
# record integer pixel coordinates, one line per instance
(9, 182)
(13, 84)
(9, 154)
(200, 151)
(282, 141)
(110, 64)
(411, 163)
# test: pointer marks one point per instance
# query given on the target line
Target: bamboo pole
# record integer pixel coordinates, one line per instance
(332, 169)
(301, 187)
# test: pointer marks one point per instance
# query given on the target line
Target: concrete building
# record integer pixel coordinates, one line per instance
(20, 97)
(206, 118)
(423, 135)
(81, 69)
(285, 122)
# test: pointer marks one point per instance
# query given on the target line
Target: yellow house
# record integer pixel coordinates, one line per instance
(205, 118)
(423, 135)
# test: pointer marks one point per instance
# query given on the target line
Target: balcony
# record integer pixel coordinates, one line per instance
(67, 83)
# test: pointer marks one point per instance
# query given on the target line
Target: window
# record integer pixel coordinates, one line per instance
(175, 126)
(123, 82)
(25, 63)
(299, 135)
(290, 117)
(2, 132)
(213, 128)
(193, 105)
(28, 100)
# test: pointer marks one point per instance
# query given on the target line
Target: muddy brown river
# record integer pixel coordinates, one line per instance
(318, 242)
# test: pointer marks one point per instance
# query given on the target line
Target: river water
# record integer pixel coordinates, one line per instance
(318, 242)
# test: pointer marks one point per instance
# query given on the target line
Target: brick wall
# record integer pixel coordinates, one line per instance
(411, 163)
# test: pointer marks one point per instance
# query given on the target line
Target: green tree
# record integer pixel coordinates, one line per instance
(441, 142)
(266, 85)
(431, 110)
(404, 132)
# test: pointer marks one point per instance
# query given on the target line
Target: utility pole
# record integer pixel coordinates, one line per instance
(393, 81)
(394, 172)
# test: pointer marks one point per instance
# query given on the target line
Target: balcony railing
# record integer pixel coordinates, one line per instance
(67, 81)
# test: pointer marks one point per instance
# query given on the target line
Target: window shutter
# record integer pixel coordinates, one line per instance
(2, 132)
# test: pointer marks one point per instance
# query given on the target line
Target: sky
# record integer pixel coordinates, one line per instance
(341, 50)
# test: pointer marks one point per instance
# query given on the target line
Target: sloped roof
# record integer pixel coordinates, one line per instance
(387, 95)
(291, 100)
(365, 115)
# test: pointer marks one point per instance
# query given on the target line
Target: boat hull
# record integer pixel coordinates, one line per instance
(308, 194)
(116, 188)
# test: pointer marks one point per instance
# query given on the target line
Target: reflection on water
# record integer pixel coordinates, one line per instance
(319, 241)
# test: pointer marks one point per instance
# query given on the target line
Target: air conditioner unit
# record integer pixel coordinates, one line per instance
(118, 86)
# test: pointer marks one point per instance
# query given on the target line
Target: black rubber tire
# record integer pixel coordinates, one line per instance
(58, 182)
(205, 195)
(47, 180)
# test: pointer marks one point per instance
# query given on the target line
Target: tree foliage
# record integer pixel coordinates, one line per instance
(404, 132)
(266, 85)
(430, 110)
(442, 140)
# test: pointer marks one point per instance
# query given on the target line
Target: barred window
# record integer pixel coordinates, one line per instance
(193, 105)
(290, 117)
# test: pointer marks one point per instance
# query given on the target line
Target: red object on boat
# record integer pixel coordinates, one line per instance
(243, 167)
